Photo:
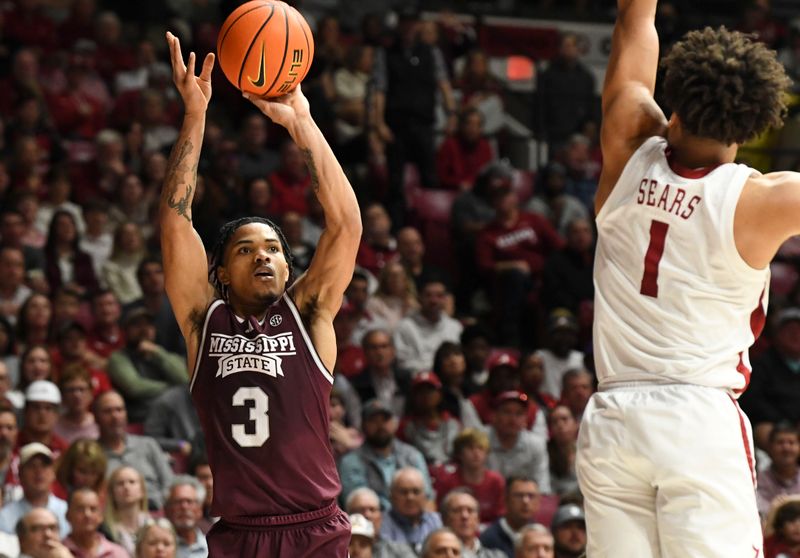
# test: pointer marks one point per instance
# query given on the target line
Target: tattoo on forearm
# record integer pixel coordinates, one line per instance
(176, 177)
(312, 169)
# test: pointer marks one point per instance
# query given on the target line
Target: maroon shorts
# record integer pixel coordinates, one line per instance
(323, 533)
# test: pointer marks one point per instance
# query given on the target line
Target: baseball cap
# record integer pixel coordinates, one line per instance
(511, 395)
(566, 513)
(43, 391)
(426, 378)
(29, 451)
(360, 525)
(373, 407)
(561, 318)
(791, 314)
(502, 359)
(136, 313)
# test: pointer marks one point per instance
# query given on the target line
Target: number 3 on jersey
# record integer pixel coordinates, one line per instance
(658, 235)
(258, 414)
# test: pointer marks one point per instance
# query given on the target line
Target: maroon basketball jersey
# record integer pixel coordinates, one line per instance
(262, 395)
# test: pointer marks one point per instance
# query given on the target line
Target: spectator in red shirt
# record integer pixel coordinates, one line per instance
(106, 336)
(27, 24)
(72, 348)
(503, 370)
(784, 542)
(77, 421)
(42, 401)
(470, 450)
(117, 55)
(462, 155)
(378, 246)
(349, 355)
(511, 252)
(531, 376)
(9, 455)
(78, 24)
(66, 263)
(291, 181)
(76, 113)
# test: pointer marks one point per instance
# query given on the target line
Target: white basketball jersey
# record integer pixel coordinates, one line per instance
(674, 301)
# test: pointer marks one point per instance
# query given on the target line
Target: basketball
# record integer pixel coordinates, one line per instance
(265, 47)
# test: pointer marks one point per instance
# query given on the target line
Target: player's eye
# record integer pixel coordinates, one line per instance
(273, 249)
(244, 250)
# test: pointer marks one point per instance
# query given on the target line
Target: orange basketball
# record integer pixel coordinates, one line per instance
(265, 47)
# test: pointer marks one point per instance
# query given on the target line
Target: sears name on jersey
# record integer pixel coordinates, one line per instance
(262, 353)
(671, 199)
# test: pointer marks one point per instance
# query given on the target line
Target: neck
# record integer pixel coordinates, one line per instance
(188, 535)
(115, 444)
(75, 416)
(86, 541)
(516, 523)
(129, 516)
(382, 371)
(433, 317)
(152, 301)
(41, 437)
(473, 475)
(509, 217)
(38, 499)
(696, 152)
(383, 452)
(243, 310)
(785, 471)
(507, 440)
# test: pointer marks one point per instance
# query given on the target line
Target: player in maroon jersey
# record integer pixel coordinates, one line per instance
(261, 353)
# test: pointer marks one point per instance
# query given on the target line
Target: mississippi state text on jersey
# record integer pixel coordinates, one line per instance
(262, 396)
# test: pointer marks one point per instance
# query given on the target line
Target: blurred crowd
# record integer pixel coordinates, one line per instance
(464, 341)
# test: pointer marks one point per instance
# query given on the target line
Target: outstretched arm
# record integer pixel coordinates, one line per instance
(318, 293)
(185, 264)
(630, 115)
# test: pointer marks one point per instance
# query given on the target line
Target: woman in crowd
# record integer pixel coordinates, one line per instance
(156, 539)
(396, 296)
(119, 272)
(83, 465)
(450, 365)
(561, 449)
(67, 264)
(34, 364)
(33, 321)
(8, 350)
(126, 507)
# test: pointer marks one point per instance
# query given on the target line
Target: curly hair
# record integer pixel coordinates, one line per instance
(224, 237)
(724, 85)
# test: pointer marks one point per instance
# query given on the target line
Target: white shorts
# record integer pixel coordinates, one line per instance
(667, 471)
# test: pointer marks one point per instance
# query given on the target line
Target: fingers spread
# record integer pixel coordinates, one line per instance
(190, 66)
(208, 65)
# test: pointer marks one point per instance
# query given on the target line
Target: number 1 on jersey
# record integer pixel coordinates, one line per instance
(658, 234)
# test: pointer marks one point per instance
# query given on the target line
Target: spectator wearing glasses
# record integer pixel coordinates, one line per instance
(522, 504)
(408, 521)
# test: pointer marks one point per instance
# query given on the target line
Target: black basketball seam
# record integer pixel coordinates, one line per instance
(285, 49)
(308, 45)
(255, 38)
(228, 30)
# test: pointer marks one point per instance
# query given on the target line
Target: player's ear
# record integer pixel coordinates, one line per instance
(222, 275)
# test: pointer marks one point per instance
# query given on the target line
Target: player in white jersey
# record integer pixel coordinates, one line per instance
(681, 274)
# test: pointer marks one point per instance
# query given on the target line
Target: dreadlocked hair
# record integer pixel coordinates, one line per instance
(225, 234)
(725, 85)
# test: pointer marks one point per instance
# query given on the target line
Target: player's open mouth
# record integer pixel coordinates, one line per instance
(264, 272)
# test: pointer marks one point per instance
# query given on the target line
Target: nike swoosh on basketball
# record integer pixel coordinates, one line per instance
(261, 71)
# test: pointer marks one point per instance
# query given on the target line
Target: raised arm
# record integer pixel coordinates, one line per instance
(185, 263)
(318, 293)
(630, 115)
